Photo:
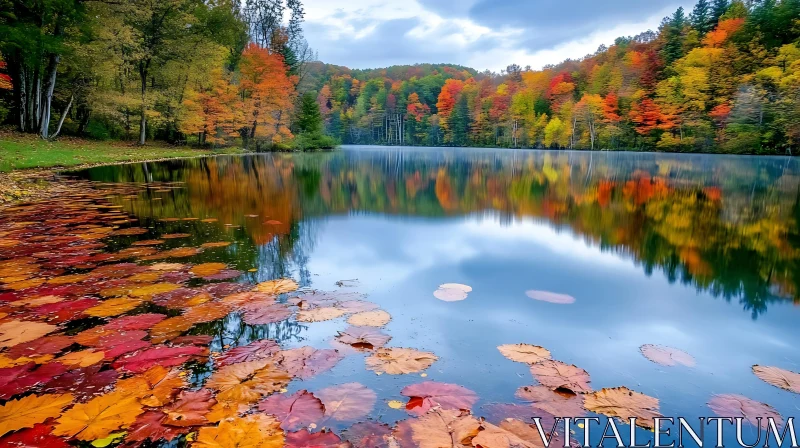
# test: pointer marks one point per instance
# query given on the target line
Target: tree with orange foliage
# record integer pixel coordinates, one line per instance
(446, 103)
(645, 115)
(268, 95)
(211, 109)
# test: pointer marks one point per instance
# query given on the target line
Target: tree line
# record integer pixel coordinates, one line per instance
(208, 72)
(723, 78)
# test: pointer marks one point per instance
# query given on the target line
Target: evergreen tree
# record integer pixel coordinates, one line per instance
(459, 122)
(701, 17)
(719, 8)
(309, 120)
(674, 27)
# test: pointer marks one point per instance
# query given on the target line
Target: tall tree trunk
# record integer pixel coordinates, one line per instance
(47, 96)
(63, 116)
(143, 68)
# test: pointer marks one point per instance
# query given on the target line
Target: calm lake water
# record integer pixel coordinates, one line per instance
(696, 252)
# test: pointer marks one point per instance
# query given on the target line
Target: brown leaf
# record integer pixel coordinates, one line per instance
(377, 318)
(784, 379)
(557, 375)
(398, 361)
(320, 314)
(731, 405)
(247, 382)
(277, 287)
(190, 409)
(444, 429)
(524, 353)
(666, 356)
(206, 269)
(256, 431)
(306, 362)
(18, 332)
(347, 402)
(150, 426)
(492, 436)
(554, 402)
(624, 403)
(294, 411)
(427, 395)
(363, 338)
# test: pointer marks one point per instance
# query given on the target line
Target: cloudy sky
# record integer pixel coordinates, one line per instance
(483, 34)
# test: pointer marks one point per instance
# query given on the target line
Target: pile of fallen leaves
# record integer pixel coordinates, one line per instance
(97, 346)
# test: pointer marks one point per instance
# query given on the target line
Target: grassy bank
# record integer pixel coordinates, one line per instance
(19, 152)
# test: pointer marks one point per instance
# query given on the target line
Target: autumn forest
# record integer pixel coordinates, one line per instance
(723, 77)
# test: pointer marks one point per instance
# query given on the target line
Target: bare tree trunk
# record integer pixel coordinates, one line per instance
(47, 96)
(143, 68)
(63, 117)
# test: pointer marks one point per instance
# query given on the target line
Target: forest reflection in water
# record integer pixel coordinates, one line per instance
(722, 224)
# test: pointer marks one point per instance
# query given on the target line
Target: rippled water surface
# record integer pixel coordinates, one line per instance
(699, 253)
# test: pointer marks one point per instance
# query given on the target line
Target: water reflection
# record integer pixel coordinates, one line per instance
(723, 225)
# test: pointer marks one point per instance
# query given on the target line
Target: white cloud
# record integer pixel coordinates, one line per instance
(373, 33)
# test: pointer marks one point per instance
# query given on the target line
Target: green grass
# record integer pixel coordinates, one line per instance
(18, 152)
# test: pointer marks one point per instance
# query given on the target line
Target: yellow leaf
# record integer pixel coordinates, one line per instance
(253, 431)
(30, 410)
(116, 437)
(99, 417)
(83, 358)
(113, 307)
(394, 404)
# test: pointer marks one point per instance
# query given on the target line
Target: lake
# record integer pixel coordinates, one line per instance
(588, 255)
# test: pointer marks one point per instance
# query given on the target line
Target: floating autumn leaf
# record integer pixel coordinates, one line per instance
(247, 298)
(262, 314)
(524, 353)
(148, 243)
(259, 350)
(398, 361)
(666, 356)
(784, 379)
(67, 279)
(306, 362)
(82, 358)
(357, 306)
(247, 382)
(153, 388)
(452, 292)
(16, 332)
(178, 252)
(377, 318)
(166, 267)
(190, 409)
(550, 297)
(320, 314)
(174, 236)
(306, 439)
(164, 356)
(131, 231)
(47, 345)
(170, 329)
(363, 338)
(84, 383)
(226, 409)
(150, 426)
(30, 410)
(294, 411)
(15, 380)
(444, 428)
(624, 404)
(99, 417)
(205, 269)
(511, 434)
(215, 245)
(113, 307)
(347, 402)
(557, 375)
(368, 435)
(151, 290)
(757, 413)
(277, 287)
(255, 430)
(137, 322)
(555, 402)
(424, 396)
(37, 436)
